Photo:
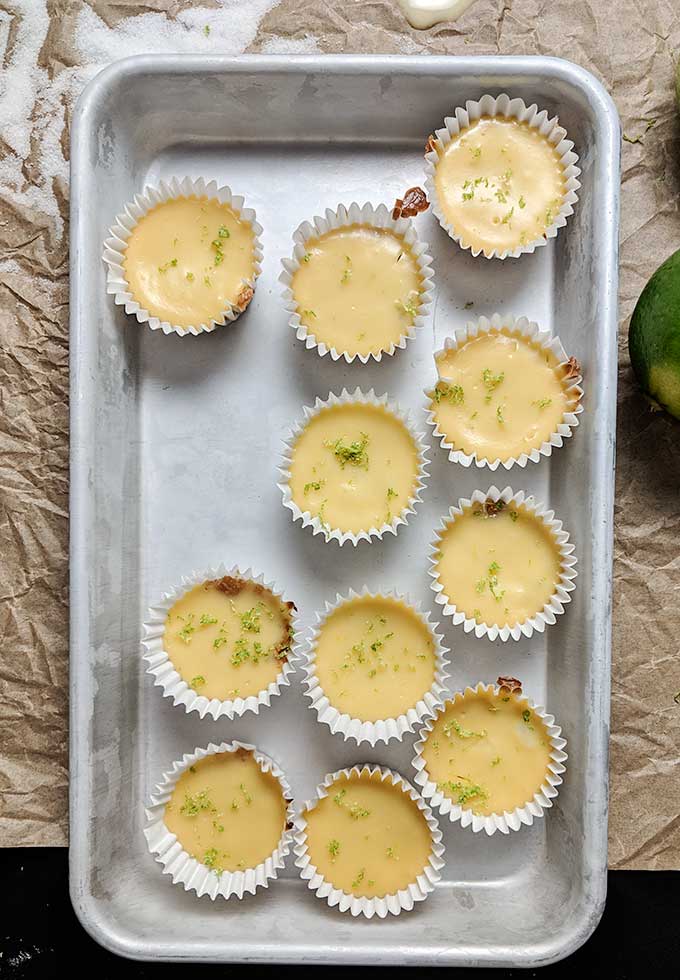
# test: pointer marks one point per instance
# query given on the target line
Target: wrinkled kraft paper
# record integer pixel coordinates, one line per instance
(51, 48)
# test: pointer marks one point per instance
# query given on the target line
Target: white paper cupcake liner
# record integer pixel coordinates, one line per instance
(393, 904)
(124, 224)
(572, 385)
(355, 214)
(346, 398)
(189, 872)
(508, 108)
(173, 685)
(565, 585)
(508, 820)
(387, 728)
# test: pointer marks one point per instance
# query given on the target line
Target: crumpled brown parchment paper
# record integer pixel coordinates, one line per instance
(50, 49)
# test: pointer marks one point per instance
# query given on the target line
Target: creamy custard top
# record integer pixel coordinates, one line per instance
(354, 466)
(498, 568)
(228, 637)
(367, 837)
(488, 752)
(374, 658)
(499, 395)
(500, 184)
(188, 259)
(226, 812)
(358, 288)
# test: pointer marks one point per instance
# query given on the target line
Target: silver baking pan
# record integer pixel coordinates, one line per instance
(174, 448)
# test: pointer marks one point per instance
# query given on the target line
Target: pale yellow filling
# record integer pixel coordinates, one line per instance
(188, 259)
(500, 184)
(374, 658)
(358, 289)
(502, 396)
(499, 569)
(488, 752)
(228, 638)
(354, 467)
(226, 812)
(367, 837)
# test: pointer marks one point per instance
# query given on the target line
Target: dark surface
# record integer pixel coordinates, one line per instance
(40, 936)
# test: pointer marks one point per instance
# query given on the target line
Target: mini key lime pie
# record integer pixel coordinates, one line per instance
(229, 809)
(374, 667)
(358, 283)
(491, 752)
(504, 395)
(499, 562)
(501, 176)
(354, 469)
(185, 257)
(368, 838)
(228, 637)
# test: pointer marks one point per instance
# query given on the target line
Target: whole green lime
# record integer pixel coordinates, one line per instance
(654, 336)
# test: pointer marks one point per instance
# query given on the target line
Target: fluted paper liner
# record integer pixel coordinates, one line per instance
(565, 584)
(388, 728)
(124, 224)
(508, 108)
(357, 397)
(344, 216)
(188, 871)
(531, 331)
(173, 685)
(508, 820)
(393, 904)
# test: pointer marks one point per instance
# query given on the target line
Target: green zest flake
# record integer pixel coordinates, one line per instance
(240, 654)
(210, 857)
(464, 791)
(347, 273)
(496, 761)
(190, 277)
(223, 232)
(548, 216)
(522, 203)
(359, 878)
(476, 152)
(508, 217)
(207, 620)
(474, 416)
(513, 515)
(339, 797)
(257, 648)
(206, 281)
(192, 768)
(355, 454)
(454, 725)
(468, 195)
(356, 811)
(309, 313)
(372, 672)
(250, 620)
(188, 629)
(206, 30)
(494, 569)
(219, 641)
(219, 827)
(526, 716)
(542, 402)
(197, 681)
(490, 380)
(306, 257)
(390, 493)
(314, 485)
(234, 805)
(499, 416)
(390, 853)
(333, 848)
(502, 199)
(171, 264)
(193, 805)
(409, 307)
(480, 586)
(477, 613)
(246, 795)
(452, 393)
(508, 174)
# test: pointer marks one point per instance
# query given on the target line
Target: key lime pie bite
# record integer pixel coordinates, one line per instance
(188, 261)
(357, 288)
(229, 809)
(501, 180)
(374, 659)
(369, 839)
(225, 642)
(501, 565)
(353, 469)
(503, 394)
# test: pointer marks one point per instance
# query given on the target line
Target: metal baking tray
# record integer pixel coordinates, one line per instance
(174, 448)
